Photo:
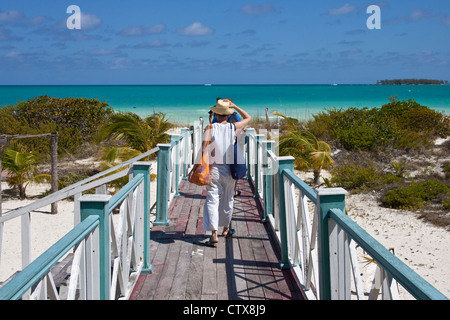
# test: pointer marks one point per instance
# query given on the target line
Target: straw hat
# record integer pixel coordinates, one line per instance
(222, 107)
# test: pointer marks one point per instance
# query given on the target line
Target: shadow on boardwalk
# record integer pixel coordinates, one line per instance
(242, 267)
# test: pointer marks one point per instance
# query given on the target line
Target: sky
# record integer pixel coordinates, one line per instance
(222, 42)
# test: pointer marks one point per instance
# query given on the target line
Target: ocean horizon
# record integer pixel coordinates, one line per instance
(184, 104)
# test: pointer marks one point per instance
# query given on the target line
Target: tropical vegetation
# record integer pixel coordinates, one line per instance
(411, 82)
(132, 135)
(401, 125)
(75, 119)
(309, 152)
(21, 168)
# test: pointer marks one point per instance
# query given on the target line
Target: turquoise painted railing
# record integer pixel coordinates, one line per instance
(317, 240)
(39, 270)
(127, 241)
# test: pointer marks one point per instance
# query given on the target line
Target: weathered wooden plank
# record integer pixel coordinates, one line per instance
(176, 208)
(209, 271)
(152, 280)
(181, 222)
(254, 288)
(268, 281)
(178, 291)
(168, 273)
(194, 285)
(191, 227)
(221, 265)
(239, 282)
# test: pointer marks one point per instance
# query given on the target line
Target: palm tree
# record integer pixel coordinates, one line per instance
(21, 166)
(309, 153)
(135, 134)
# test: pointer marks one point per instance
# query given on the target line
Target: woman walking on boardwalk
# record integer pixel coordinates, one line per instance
(218, 208)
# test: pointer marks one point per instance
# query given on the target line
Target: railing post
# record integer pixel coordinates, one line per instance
(98, 205)
(332, 198)
(259, 139)
(162, 186)
(144, 168)
(186, 138)
(250, 132)
(284, 163)
(175, 139)
(267, 180)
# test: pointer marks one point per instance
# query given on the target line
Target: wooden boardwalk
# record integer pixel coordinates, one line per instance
(242, 267)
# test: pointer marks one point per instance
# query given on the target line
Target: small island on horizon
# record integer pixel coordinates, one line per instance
(400, 82)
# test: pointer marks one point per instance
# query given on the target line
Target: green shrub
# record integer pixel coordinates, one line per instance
(75, 119)
(354, 177)
(447, 167)
(403, 125)
(84, 114)
(446, 204)
(410, 116)
(362, 177)
(416, 195)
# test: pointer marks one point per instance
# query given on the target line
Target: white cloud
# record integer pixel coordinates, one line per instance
(419, 14)
(5, 35)
(89, 21)
(13, 54)
(152, 45)
(140, 30)
(257, 10)
(196, 29)
(445, 18)
(345, 9)
(38, 20)
(10, 16)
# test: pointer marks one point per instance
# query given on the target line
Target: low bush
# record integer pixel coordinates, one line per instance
(403, 125)
(416, 195)
(363, 177)
(75, 119)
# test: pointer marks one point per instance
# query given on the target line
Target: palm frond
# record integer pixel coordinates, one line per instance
(114, 153)
(309, 153)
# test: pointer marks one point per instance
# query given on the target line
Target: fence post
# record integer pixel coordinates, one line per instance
(250, 132)
(176, 139)
(331, 198)
(186, 137)
(284, 163)
(162, 186)
(259, 139)
(143, 167)
(54, 168)
(267, 180)
(98, 205)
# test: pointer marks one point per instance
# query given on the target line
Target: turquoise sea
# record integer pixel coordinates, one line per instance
(186, 103)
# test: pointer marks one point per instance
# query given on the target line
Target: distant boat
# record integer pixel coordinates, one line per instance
(208, 84)
(334, 84)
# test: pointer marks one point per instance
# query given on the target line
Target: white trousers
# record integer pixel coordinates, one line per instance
(218, 208)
